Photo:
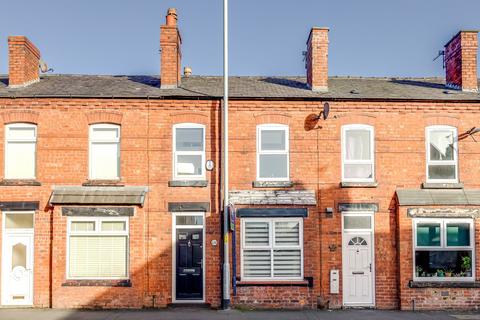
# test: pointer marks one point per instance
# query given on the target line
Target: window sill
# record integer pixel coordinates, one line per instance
(272, 184)
(436, 185)
(103, 183)
(307, 282)
(443, 284)
(188, 183)
(97, 283)
(373, 184)
(20, 182)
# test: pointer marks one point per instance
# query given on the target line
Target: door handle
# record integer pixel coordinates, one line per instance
(358, 272)
(370, 267)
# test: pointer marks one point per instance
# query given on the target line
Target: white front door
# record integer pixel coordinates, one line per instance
(17, 263)
(358, 266)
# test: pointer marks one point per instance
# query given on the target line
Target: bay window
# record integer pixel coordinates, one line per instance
(104, 152)
(358, 153)
(272, 152)
(97, 248)
(442, 157)
(20, 151)
(272, 248)
(188, 151)
(444, 249)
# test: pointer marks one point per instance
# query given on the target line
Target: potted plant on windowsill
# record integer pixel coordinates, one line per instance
(467, 266)
(440, 273)
(448, 272)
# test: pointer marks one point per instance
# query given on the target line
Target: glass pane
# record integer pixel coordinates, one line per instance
(105, 134)
(428, 234)
(98, 256)
(21, 133)
(189, 220)
(458, 234)
(18, 221)
(287, 263)
(256, 233)
(20, 160)
(19, 255)
(357, 144)
(441, 145)
(257, 263)
(189, 139)
(104, 160)
(273, 166)
(357, 222)
(287, 233)
(189, 165)
(441, 172)
(358, 171)
(273, 140)
(113, 226)
(82, 226)
(443, 264)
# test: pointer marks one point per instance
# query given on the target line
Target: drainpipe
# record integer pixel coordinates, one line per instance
(226, 257)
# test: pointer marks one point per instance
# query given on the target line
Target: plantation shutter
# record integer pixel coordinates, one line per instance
(287, 263)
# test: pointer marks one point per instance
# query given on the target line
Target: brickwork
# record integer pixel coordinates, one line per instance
(24, 58)
(170, 42)
(317, 59)
(461, 61)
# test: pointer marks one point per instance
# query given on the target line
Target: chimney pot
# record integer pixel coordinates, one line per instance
(172, 17)
(461, 61)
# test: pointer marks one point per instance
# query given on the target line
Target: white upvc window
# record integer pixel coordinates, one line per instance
(272, 249)
(273, 163)
(442, 154)
(444, 249)
(20, 151)
(97, 247)
(358, 153)
(188, 151)
(104, 152)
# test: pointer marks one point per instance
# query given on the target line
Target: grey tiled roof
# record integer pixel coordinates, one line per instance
(240, 87)
(433, 197)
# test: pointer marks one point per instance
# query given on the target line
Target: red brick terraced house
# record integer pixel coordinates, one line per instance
(347, 192)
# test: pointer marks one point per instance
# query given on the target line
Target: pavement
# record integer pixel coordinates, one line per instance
(206, 314)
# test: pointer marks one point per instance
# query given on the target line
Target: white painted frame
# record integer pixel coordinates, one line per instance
(92, 141)
(188, 153)
(443, 222)
(98, 222)
(27, 231)
(371, 231)
(9, 139)
(286, 151)
(345, 161)
(272, 247)
(174, 254)
(428, 131)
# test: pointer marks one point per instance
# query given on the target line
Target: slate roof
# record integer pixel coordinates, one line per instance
(197, 87)
(433, 197)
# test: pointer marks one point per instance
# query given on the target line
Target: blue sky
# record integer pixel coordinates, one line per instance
(267, 37)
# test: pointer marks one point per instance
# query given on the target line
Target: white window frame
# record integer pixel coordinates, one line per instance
(189, 153)
(443, 222)
(428, 131)
(9, 140)
(98, 224)
(272, 247)
(346, 161)
(92, 141)
(273, 126)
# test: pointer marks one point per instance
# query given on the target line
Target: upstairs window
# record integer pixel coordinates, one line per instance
(358, 164)
(20, 151)
(104, 152)
(189, 151)
(442, 156)
(272, 152)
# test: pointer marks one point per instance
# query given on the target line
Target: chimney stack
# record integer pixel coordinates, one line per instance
(170, 43)
(461, 61)
(316, 60)
(23, 62)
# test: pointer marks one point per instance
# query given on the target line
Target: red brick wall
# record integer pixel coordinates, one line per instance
(461, 61)
(170, 44)
(317, 59)
(23, 61)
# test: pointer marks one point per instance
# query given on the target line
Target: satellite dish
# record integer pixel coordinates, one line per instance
(44, 67)
(326, 110)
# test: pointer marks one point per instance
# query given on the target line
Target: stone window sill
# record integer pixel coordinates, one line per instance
(103, 183)
(188, 183)
(443, 284)
(373, 184)
(20, 182)
(97, 283)
(272, 184)
(434, 185)
(307, 282)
